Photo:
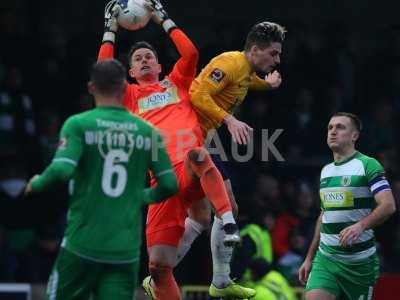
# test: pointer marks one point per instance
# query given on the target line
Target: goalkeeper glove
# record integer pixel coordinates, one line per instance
(160, 16)
(110, 21)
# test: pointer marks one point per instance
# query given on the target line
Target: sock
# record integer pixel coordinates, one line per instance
(210, 179)
(165, 286)
(192, 230)
(227, 218)
(221, 255)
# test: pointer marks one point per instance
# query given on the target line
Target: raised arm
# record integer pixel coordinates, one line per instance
(110, 30)
(186, 65)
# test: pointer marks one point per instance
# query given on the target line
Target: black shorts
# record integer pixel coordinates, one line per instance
(221, 165)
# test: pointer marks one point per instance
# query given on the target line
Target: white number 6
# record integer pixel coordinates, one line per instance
(112, 167)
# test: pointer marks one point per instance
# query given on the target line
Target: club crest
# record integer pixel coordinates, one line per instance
(165, 84)
(346, 180)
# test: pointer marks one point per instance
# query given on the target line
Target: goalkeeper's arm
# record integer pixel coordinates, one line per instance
(160, 16)
(110, 30)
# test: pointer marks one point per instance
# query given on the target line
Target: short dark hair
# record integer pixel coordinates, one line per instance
(138, 45)
(355, 120)
(108, 76)
(263, 34)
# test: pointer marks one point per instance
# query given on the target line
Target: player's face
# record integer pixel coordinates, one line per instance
(341, 133)
(265, 60)
(144, 64)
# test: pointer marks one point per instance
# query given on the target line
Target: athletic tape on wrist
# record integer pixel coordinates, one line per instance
(109, 36)
(168, 25)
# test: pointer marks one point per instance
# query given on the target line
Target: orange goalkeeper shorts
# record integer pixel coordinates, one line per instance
(164, 218)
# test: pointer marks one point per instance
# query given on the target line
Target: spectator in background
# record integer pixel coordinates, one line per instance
(269, 283)
(17, 124)
(48, 135)
(300, 216)
(381, 128)
(300, 125)
(267, 194)
(15, 217)
(256, 243)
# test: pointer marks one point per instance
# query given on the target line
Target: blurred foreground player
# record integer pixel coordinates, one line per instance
(166, 104)
(215, 94)
(106, 153)
(355, 198)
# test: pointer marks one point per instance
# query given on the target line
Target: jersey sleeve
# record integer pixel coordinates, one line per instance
(70, 144)
(106, 52)
(376, 177)
(218, 74)
(258, 83)
(162, 170)
(65, 160)
(185, 68)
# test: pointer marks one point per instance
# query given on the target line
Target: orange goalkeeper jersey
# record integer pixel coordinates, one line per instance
(166, 104)
(221, 86)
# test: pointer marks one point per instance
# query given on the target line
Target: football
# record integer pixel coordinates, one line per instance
(133, 14)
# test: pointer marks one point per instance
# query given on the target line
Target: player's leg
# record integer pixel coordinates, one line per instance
(117, 281)
(319, 294)
(198, 220)
(200, 165)
(164, 230)
(357, 279)
(199, 214)
(162, 260)
(322, 281)
(224, 232)
(72, 277)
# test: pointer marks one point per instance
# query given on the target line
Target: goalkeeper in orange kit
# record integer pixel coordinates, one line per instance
(166, 104)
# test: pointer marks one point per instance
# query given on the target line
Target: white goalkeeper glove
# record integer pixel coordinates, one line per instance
(110, 21)
(160, 16)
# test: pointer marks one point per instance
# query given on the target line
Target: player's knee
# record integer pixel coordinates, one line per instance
(201, 213)
(159, 271)
(200, 161)
(198, 156)
(202, 217)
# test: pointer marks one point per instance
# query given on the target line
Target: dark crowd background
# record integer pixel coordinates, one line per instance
(338, 56)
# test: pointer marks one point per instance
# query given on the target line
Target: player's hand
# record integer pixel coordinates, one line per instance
(28, 188)
(351, 234)
(240, 131)
(304, 271)
(110, 16)
(159, 15)
(274, 79)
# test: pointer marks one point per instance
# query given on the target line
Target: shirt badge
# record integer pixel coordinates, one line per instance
(217, 75)
(346, 180)
(165, 84)
(62, 143)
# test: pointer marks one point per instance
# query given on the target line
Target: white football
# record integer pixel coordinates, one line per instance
(133, 15)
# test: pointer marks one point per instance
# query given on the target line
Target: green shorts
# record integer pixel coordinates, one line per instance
(74, 277)
(350, 281)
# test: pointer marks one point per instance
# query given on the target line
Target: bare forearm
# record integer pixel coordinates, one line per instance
(315, 242)
(381, 213)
